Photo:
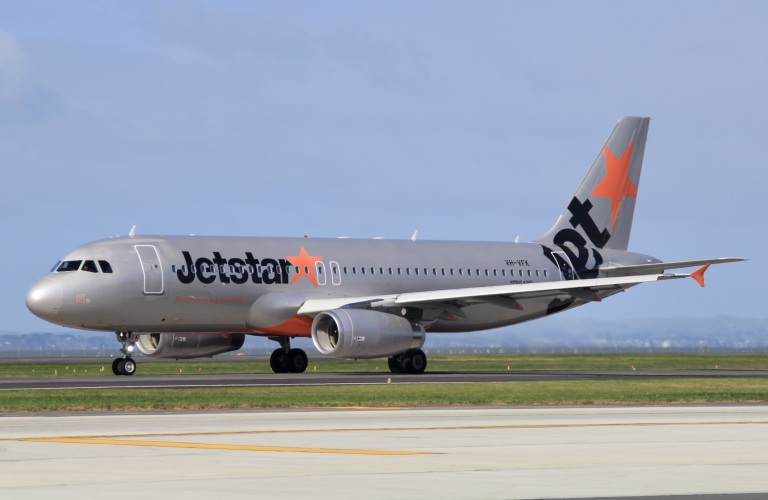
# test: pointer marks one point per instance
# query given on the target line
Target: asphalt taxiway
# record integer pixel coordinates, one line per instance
(468, 452)
(310, 378)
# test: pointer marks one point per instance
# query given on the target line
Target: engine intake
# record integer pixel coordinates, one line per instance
(188, 345)
(362, 333)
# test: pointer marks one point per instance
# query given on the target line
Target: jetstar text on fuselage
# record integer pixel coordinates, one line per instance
(266, 271)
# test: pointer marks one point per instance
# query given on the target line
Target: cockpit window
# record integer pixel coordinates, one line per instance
(105, 267)
(90, 266)
(69, 265)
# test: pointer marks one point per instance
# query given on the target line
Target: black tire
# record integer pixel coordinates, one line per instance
(276, 361)
(115, 369)
(395, 365)
(295, 361)
(128, 367)
(416, 362)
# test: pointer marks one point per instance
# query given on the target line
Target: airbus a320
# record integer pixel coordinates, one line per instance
(194, 296)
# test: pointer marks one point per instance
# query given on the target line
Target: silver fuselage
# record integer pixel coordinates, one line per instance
(255, 285)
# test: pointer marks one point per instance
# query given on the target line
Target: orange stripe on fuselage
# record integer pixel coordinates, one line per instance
(298, 326)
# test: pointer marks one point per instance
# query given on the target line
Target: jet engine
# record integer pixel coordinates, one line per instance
(362, 333)
(188, 345)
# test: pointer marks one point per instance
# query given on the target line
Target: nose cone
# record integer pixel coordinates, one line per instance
(44, 299)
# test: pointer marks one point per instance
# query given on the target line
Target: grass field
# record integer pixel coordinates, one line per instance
(641, 362)
(643, 391)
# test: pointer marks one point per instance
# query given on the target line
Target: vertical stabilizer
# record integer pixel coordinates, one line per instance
(600, 213)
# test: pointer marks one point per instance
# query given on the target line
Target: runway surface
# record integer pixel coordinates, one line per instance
(266, 380)
(476, 452)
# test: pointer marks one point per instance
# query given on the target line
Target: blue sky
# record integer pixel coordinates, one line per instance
(465, 120)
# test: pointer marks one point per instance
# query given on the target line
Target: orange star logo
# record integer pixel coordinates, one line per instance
(306, 265)
(616, 185)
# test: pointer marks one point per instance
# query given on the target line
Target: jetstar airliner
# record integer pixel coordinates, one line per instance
(194, 296)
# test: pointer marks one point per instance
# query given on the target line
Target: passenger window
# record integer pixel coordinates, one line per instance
(105, 267)
(362, 270)
(69, 265)
(90, 266)
(416, 270)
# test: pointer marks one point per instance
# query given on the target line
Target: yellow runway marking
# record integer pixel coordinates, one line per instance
(435, 428)
(205, 446)
(115, 441)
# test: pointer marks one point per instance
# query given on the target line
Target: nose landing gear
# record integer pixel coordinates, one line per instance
(125, 365)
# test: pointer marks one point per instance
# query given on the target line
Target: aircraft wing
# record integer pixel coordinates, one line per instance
(499, 294)
(660, 267)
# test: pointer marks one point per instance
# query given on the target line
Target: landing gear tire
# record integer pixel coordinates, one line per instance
(413, 361)
(295, 361)
(124, 366)
(394, 364)
(416, 361)
(276, 361)
(128, 367)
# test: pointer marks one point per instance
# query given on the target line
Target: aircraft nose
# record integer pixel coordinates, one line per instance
(44, 299)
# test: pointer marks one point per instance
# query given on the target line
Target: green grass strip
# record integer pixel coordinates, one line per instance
(640, 362)
(389, 395)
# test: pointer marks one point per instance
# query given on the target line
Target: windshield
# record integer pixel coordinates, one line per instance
(69, 265)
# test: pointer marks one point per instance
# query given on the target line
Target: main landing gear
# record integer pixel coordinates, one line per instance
(125, 365)
(287, 360)
(412, 361)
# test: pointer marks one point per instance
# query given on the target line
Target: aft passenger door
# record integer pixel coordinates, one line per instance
(152, 269)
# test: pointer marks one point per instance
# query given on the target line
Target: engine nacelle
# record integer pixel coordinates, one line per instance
(188, 345)
(362, 333)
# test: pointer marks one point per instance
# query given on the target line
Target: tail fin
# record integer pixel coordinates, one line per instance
(600, 213)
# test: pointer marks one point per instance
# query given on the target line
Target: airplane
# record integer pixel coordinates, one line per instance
(197, 296)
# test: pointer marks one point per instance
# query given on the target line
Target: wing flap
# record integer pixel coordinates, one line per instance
(580, 288)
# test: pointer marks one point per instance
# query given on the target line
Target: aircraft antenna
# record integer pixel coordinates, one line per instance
(133, 231)
(517, 239)
(415, 235)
